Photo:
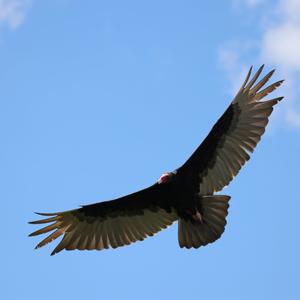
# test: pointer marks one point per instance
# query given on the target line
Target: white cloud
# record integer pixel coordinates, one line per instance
(290, 9)
(12, 12)
(279, 45)
(281, 40)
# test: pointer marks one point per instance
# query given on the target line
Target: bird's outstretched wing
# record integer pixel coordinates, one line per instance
(110, 224)
(228, 145)
(214, 164)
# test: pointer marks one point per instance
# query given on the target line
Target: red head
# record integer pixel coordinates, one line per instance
(165, 177)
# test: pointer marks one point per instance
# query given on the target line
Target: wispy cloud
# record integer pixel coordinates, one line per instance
(278, 44)
(293, 117)
(281, 38)
(13, 12)
(236, 68)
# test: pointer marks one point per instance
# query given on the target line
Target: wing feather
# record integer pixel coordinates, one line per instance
(108, 224)
(227, 147)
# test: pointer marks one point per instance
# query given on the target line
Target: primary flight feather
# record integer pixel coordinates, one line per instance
(185, 195)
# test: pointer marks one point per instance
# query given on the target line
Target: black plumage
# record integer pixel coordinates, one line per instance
(186, 195)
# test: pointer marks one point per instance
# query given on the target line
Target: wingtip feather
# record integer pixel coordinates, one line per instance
(254, 78)
(279, 98)
(53, 252)
(46, 214)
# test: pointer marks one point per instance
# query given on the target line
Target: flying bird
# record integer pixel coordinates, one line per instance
(186, 195)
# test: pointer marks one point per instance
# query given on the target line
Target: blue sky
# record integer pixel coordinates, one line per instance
(99, 99)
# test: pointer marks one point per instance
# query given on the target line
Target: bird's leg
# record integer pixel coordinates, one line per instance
(197, 217)
(197, 211)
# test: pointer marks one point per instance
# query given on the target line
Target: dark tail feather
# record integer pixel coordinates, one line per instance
(214, 210)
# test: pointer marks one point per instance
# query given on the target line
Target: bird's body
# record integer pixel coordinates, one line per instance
(186, 194)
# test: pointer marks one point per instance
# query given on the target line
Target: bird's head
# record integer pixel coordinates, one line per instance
(165, 177)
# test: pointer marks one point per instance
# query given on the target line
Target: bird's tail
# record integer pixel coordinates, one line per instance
(193, 233)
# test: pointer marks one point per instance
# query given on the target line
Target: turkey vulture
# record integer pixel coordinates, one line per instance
(186, 194)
